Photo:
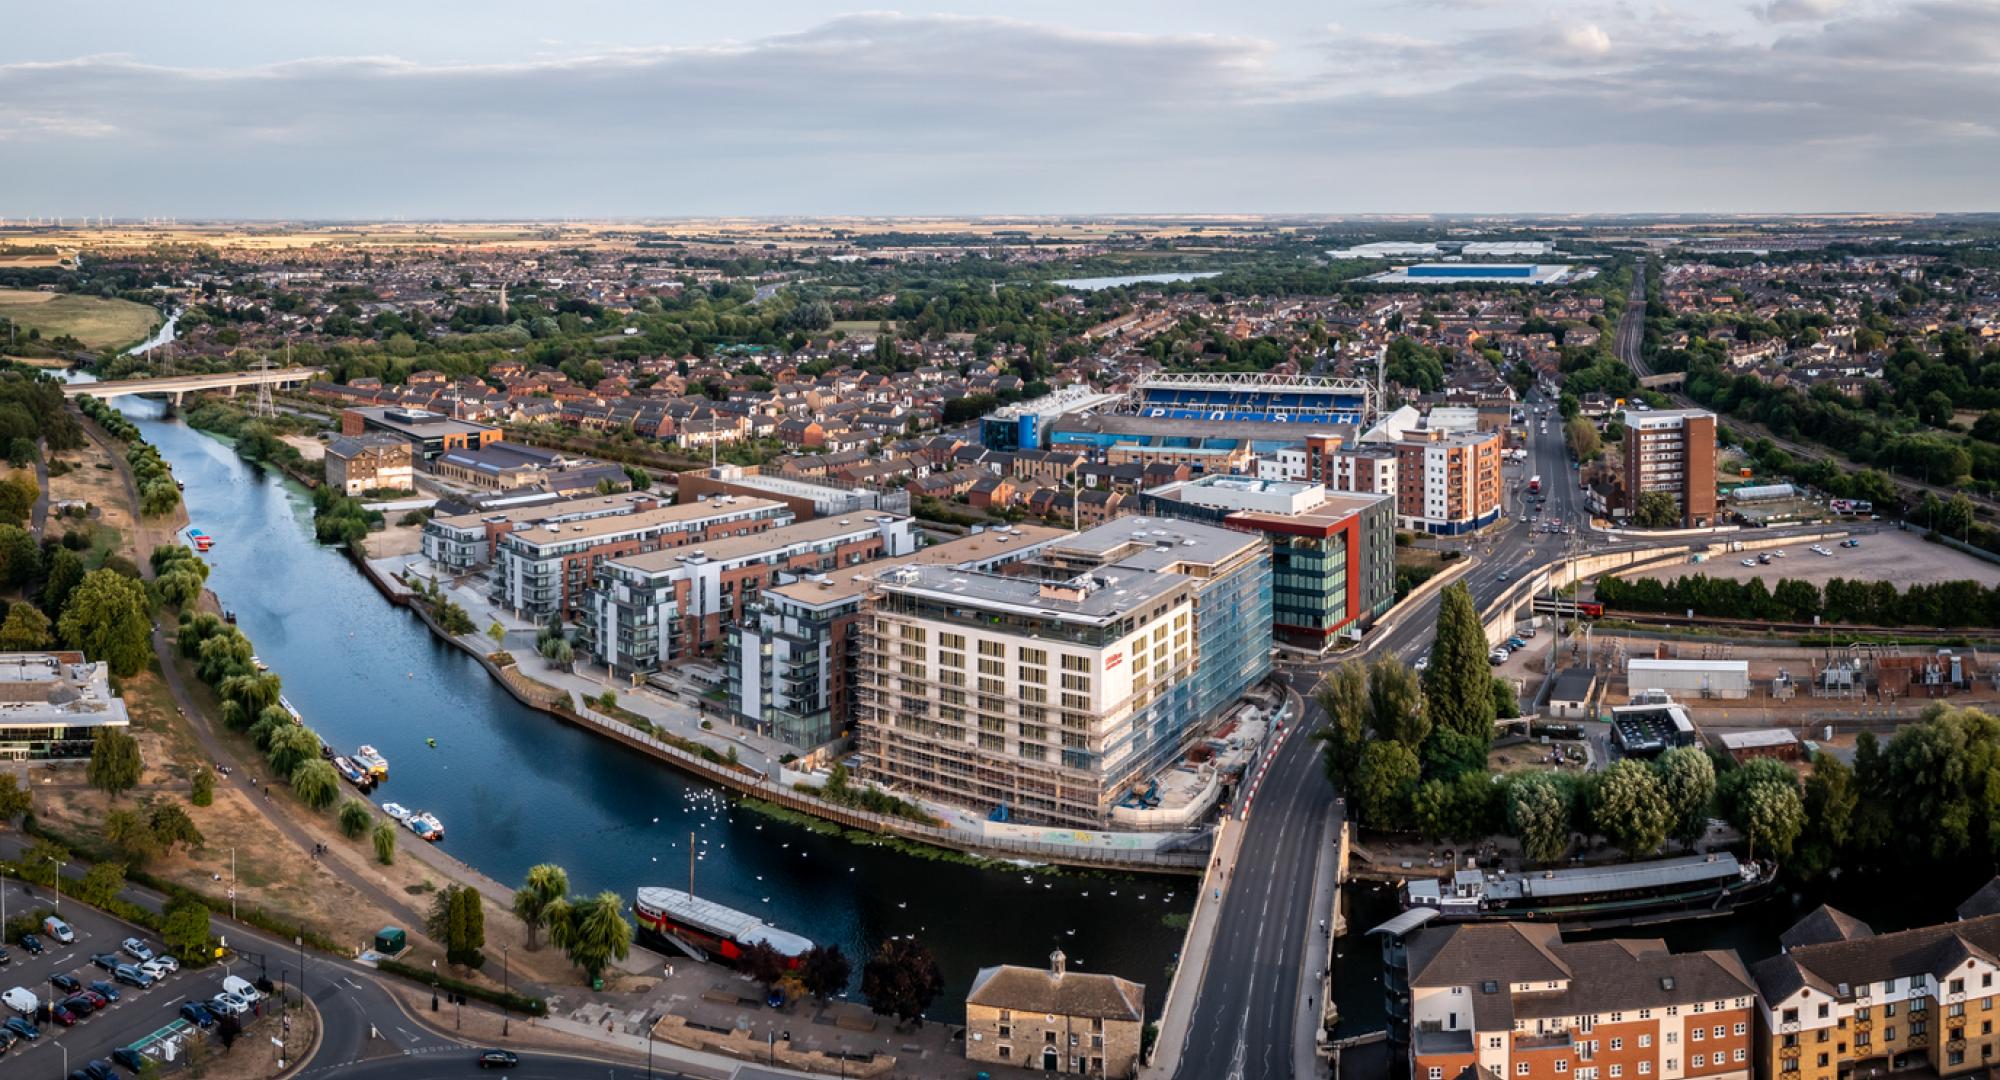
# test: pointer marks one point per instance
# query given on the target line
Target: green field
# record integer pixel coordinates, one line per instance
(93, 320)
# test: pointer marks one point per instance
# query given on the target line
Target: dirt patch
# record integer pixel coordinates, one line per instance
(254, 1057)
(395, 539)
(309, 448)
(1900, 558)
(93, 478)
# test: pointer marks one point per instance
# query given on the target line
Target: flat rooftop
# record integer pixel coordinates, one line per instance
(420, 422)
(592, 528)
(848, 582)
(542, 509)
(1182, 432)
(729, 549)
(1108, 597)
(1155, 544)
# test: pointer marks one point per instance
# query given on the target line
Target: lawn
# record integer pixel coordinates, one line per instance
(97, 322)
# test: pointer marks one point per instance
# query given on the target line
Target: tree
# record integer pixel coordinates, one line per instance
(61, 576)
(20, 556)
(457, 919)
(1396, 703)
(901, 979)
(291, 746)
(545, 884)
(1538, 811)
(499, 635)
(100, 884)
(1458, 684)
(1830, 800)
(178, 588)
(25, 630)
(1761, 798)
(824, 971)
(15, 800)
(38, 863)
(254, 692)
(354, 818)
(385, 843)
(131, 834)
(1343, 696)
(593, 932)
(1656, 510)
(1687, 779)
(18, 493)
(201, 787)
(1385, 779)
(316, 783)
(764, 964)
(1581, 435)
(115, 765)
(173, 827)
(185, 931)
(109, 618)
(1630, 809)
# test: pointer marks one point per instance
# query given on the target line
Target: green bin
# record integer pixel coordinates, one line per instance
(391, 940)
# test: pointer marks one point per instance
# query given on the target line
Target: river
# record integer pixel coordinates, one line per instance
(163, 336)
(515, 787)
(1092, 284)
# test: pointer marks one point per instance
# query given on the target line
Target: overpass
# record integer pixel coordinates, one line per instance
(179, 386)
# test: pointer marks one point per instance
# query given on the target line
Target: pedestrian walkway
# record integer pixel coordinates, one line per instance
(1192, 964)
(1316, 970)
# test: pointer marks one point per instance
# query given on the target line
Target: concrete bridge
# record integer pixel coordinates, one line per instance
(179, 386)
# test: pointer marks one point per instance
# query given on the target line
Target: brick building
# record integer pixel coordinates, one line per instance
(1055, 1020)
(1672, 451)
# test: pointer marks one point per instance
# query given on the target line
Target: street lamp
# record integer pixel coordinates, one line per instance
(59, 869)
(506, 991)
(434, 986)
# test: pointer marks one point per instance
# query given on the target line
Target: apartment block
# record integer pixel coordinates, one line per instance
(464, 542)
(1333, 557)
(791, 657)
(358, 463)
(1048, 693)
(1672, 451)
(542, 572)
(1842, 1000)
(1504, 999)
(645, 609)
(1448, 482)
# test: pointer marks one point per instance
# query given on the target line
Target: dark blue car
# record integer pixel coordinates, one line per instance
(196, 1013)
(20, 1026)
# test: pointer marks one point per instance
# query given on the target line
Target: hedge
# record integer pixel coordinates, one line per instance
(532, 1006)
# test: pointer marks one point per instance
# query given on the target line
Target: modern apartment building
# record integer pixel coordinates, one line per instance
(791, 657)
(1842, 1000)
(1672, 450)
(645, 609)
(465, 542)
(542, 572)
(1050, 693)
(1333, 555)
(1448, 482)
(1513, 1000)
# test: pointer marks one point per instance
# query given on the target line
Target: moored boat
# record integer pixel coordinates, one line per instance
(353, 774)
(377, 765)
(201, 540)
(706, 929)
(1658, 890)
(426, 825)
(397, 811)
(290, 708)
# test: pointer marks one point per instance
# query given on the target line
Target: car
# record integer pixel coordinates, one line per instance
(5, 956)
(31, 943)
(130, 1058)
(7, 1040)
(227, 1004)
(1850, 542)
(1516, 643)
(62, 1014)
(132, 976)
(1423, 662)
(160, 966)
(65, 982)
(1497, 657)
(194, 1012)
(1503, 575)
(1526, 632)
(1780, 553)
(106, 961)
(136, 949)
(59, 930)
(242, 988)
(100, 1070)
(21, 999)
(104, 990)
(97, 1000)
(80, 1004)
(1749, 562)
(498, 1059)
(20, 1026)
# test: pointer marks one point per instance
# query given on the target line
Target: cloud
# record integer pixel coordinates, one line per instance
(1784, 11)
(884, 113)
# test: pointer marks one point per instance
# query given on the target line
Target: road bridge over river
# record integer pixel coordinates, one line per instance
(179, 386)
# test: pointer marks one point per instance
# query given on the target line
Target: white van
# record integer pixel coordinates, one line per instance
(59, 930)
(21, 1001)
(236, 984)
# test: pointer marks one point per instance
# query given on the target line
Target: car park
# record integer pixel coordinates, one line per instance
(21, 1000)
(20, 1026)
(137, 949)
(132, 976)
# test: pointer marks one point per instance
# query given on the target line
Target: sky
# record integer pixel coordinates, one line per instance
(672, 108)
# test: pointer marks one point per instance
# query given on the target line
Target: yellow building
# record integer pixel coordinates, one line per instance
(1055, 1020)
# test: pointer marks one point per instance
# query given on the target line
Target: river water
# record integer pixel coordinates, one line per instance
(164, 335)
(1092, 284)
(515, 787)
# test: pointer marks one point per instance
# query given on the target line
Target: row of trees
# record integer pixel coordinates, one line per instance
(1866, 603)
(158, 493)
(250, 703)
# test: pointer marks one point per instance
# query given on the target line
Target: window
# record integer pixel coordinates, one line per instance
(1645, 1041)
(1562, 1065)
(1645, 1068)
(1719, 1031)
(1738, 1054)
(1740, 1028)
(1037, 657)
(1697, 1061)
(1696, 1034)
(1520, 1068)
(1617, 1044)
(992, 648)
(1076, 682)
(1617, 1071)
(992, 667)
(1437, 1072)
(952, 659)
(1075, 663)
(951, 641)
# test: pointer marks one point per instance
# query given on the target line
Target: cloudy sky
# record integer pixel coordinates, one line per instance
(591, 108)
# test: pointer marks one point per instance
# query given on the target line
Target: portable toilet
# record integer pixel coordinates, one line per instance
(390, 940)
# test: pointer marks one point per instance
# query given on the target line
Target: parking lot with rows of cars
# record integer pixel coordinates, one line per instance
(136, 1017)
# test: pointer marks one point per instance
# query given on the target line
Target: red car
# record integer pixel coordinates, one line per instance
(61, 1014)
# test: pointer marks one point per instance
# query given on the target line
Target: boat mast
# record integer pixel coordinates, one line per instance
(690, 866)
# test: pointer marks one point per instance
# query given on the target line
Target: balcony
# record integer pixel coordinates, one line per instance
(1438, 1041)
(1559, 1040)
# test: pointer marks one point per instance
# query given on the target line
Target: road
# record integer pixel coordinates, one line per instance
(532, 1067)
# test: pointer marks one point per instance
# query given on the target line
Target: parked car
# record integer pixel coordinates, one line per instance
(64, 981)
(22, 1000)
(1850, 542)
(167, 965)
(1749, 562)
(19, 1025)
(31, 943)
(132, 976)
(498, 1059)
(7, 1040)
(104, 990)
(130, 1058)
(1525, 631)
(137, 949)
(1516, 643)
(63, 1014)
(242, 988)
(1497, 657)
(5, 957)
(226, 1004)
(59, 930)
(194, 1012)
(100, 1070)
(80, 1004)
(106, 961)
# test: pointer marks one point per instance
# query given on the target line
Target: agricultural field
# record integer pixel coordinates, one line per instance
(97, 322)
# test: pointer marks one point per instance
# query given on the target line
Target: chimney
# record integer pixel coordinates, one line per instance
(1057, 963)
